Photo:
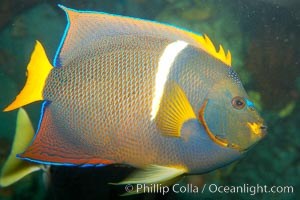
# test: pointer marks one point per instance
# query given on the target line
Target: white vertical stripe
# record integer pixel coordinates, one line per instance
(164, 65)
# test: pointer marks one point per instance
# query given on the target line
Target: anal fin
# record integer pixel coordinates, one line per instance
(50, 146)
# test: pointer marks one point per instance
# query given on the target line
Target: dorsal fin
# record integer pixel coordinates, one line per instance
(87, 28)
(209, 47)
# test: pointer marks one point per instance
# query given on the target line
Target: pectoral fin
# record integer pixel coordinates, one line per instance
(174, 110)
(14, 169)
(154, 174)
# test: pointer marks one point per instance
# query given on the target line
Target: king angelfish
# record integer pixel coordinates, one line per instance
(123, 90)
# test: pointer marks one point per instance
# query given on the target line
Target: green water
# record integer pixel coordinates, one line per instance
(263, 37)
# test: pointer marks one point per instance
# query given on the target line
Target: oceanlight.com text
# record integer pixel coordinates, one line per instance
(208, 188)
(250, 189)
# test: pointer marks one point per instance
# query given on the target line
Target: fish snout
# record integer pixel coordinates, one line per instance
(263, 130)
(258, 128)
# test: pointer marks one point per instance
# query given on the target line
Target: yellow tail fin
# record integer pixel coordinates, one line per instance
(14, 169)
(38, 70)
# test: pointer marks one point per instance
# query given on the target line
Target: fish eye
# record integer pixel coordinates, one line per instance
(238, 102)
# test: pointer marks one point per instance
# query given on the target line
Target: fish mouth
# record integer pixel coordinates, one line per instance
(263, 132)
(219, 139)
(264, 129)
(258, 128)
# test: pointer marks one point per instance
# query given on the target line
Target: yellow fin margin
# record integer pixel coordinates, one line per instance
(153, 174)
(209, 47)
(14, 169)
(174, 110)
(38, 70)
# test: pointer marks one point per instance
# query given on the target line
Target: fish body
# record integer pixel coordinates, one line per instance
(136, 92)
(109, 113)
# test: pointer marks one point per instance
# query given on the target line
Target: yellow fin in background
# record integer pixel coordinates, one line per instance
(38, 70)
(153, 174)
(209, 47)
(174, 110)
(14, 169)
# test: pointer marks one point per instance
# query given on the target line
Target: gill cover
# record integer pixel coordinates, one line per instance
(230, 118)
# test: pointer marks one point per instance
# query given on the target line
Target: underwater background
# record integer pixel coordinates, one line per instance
(263, 37)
